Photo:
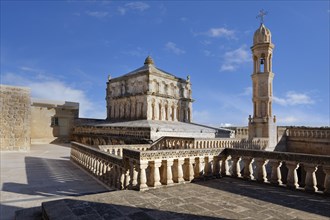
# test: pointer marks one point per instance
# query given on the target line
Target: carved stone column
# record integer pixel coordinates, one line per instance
(236, 166)
(224, 169)
(261, 174)
(216, 166)
(142, 175)
(276, 177)
(207, 167)
(292, 179)
(179, 164)
(167, 175)
(122, 179)
(248, 172)
(155, 176)
(326, 169)
(310, 180)
(190, 175)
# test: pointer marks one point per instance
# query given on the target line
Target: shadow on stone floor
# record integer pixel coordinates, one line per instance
(52, 177)
(80, 209)
(303, 201)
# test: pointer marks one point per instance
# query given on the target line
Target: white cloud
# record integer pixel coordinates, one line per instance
(53, 89)
(97, 14)
(170, 46)
(134, 6)
(137, 52)
(293, 98)
(221, 32)
(234, 58)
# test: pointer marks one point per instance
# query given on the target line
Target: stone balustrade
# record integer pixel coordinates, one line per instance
(199, 143)
(144, 169)
(297, 171)
(304, 132)
(118, 149)
(109, 169)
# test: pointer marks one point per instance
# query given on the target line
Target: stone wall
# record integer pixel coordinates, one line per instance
(52, 121)
(308, 140)
(15, 118)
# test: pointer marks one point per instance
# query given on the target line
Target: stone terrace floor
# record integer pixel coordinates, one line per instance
(50, 178)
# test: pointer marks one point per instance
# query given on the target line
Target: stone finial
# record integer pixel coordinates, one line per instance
(149, 61)
(274, 119)
(109, 77)
(188, 78)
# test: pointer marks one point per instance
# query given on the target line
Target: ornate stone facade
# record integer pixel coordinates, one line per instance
(149, 93)
(262, 124)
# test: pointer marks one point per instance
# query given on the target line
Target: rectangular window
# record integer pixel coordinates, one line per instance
(54, 121)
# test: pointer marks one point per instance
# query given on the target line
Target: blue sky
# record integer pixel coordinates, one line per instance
(64, 50)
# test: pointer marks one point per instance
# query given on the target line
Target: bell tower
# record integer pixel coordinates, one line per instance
(262, 124)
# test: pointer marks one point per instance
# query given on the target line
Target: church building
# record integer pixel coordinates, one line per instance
(149, 93)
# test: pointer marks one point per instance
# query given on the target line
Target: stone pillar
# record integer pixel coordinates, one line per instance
(261, 174)
(179, 164)
(248, 172)
(190, 169)
(207, 167)
(155, 176)
(216, 166)
(224, 169)
(236, 166)
(142, 175)
(276, 177)
(310, 180)
(122, 179)
(167, 174)
(292, 179)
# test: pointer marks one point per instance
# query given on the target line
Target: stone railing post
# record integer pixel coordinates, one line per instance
(207, 167)
(197, 167)
(236, 166)
(179, 176)
(142, 177)
(155, 176)
(167, 175)
(248, 172)
(127, 178)
(190, 169)
(276, 177)
(326, 169)
(216, 166)
(310, 180)
(224, 169)
(261, 174)
(122, 178)
(292, 179)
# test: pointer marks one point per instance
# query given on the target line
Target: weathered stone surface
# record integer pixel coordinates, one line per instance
(15, 118)
(237, 199)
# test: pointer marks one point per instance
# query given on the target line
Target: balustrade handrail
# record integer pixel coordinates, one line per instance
(97, 153)
(280, 156)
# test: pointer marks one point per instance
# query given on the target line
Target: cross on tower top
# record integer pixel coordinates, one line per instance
(261, 15)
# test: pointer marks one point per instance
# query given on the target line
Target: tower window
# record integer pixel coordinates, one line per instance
(262, 65)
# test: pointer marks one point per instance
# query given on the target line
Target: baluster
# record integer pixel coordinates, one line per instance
(224, 166)
(122, 178)
(190, 175)
(197, 168)
(207, 167)
(326, 169)
(179, 164)
(261, 174)
(276, 177)
(155, 177)
(248, 172)
(127, 178)
(142, 175)
(236, 166)
(216, 166)
(310, 180)
(292, 179)
(167, 175)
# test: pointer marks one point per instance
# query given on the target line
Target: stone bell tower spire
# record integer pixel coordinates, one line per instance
(262, 123)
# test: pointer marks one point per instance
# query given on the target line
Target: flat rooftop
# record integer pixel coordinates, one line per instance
(45, 174)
